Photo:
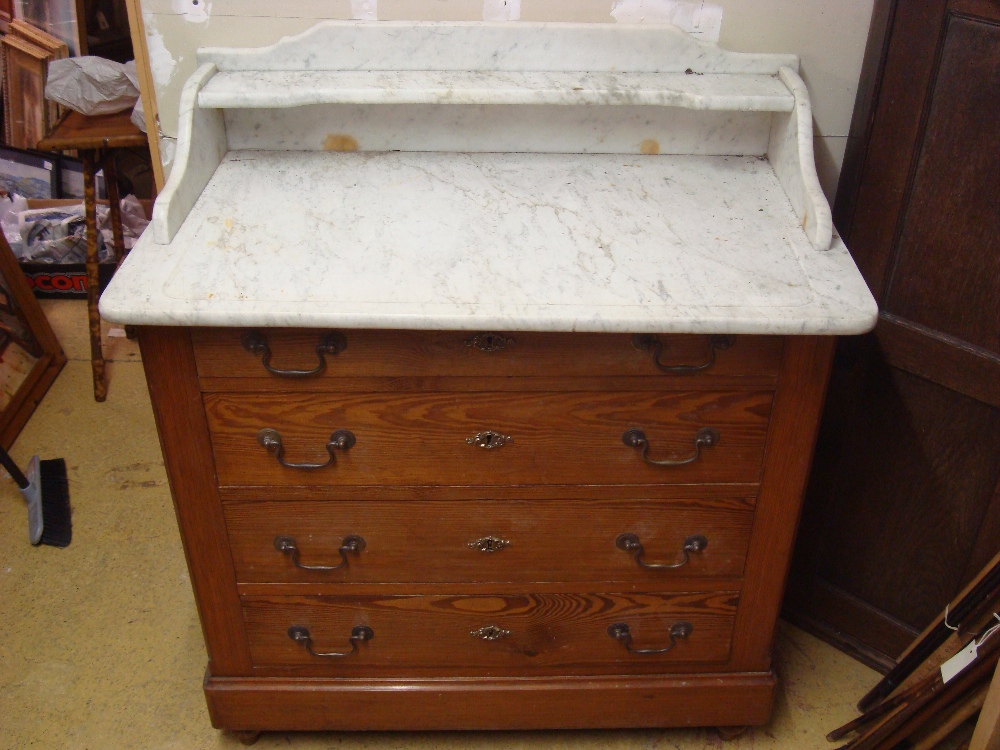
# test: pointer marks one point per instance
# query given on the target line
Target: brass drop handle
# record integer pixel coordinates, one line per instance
(651, 343)
(300, 634)
(255, 343)
(270, 439)
(630, 543)
(621, 633)
(352, 544)
(706, 437)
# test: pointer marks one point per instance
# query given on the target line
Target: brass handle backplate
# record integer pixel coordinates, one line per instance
(255, 343)
(489, 440)
(621, 633)
(630, 543)
(490, 342)
(300, 634)
(352, 544)
(651, 343)
(706, 437)
(270, 439)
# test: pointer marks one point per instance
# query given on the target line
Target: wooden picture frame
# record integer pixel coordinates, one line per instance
(60, 18)
(57, 49)
(24, 70)
(30, 354)
(6, 14)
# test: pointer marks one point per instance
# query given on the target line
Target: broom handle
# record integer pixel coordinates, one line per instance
(11, 467)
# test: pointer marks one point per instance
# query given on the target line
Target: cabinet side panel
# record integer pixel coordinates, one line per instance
(168, 360)
(798, 404)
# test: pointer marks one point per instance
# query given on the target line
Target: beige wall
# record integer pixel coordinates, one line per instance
(828, 36)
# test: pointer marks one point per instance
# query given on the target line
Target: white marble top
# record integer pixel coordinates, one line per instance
(718, 91)
(542, 242)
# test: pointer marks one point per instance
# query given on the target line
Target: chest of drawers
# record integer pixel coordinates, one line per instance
(480, 540)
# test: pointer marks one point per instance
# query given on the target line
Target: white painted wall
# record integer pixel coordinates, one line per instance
(828, 36)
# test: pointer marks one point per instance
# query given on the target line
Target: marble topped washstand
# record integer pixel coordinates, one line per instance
(487, 362)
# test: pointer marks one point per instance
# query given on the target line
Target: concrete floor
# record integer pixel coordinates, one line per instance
(100, 645)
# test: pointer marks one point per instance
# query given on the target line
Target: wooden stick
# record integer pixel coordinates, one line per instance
(875, 712)
(980, 588)
(933, 697)
(987, 734)
(976, 623)
(963, 711)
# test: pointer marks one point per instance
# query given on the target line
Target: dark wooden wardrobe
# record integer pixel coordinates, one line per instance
(903, 506)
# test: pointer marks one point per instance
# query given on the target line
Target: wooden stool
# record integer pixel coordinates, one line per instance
(96, 138)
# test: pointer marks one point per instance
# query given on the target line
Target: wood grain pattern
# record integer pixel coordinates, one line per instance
(168, 361)
(940, 358)
(906, 74)
(702, 584)
(942, 456)
(931, 285)
(26, 116)
(389, 353)
(558, 438)
(723, 496)
(496, 703)
(471, 384)
(547, 632)
(798, 405)
(553, 540)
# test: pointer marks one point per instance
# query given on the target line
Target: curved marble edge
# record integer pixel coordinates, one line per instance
(720, 91)
(793, 158)
(473, 45)
(196, 160)
(136, 297)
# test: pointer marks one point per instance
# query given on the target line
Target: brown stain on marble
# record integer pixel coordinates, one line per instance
(649, 147)
(340, 142)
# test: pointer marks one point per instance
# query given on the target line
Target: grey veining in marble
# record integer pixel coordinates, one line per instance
(575, 129)
(255, 88)
(791, 155)
(201, 144)
(518, 46)
(505, 241)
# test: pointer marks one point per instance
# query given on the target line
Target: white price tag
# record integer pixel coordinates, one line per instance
(958, 662)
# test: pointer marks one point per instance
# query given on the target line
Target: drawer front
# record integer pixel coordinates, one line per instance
(533, 438)
(488, 541)
(221, 354)
(463, 634)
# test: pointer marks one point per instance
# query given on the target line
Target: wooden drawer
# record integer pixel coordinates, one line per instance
(424, 438)
(452, 633)
(220, 354)
(488, 541)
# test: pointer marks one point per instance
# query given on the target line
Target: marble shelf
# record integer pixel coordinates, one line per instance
(543, 242)
(715, 91)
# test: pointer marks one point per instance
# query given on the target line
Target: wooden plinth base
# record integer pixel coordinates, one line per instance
(279, 704)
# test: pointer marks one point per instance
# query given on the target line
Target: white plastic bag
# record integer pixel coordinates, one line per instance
(91, 85)
(10, 208)
(139, 116)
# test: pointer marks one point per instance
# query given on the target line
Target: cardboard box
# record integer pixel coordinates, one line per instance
(66, 280)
